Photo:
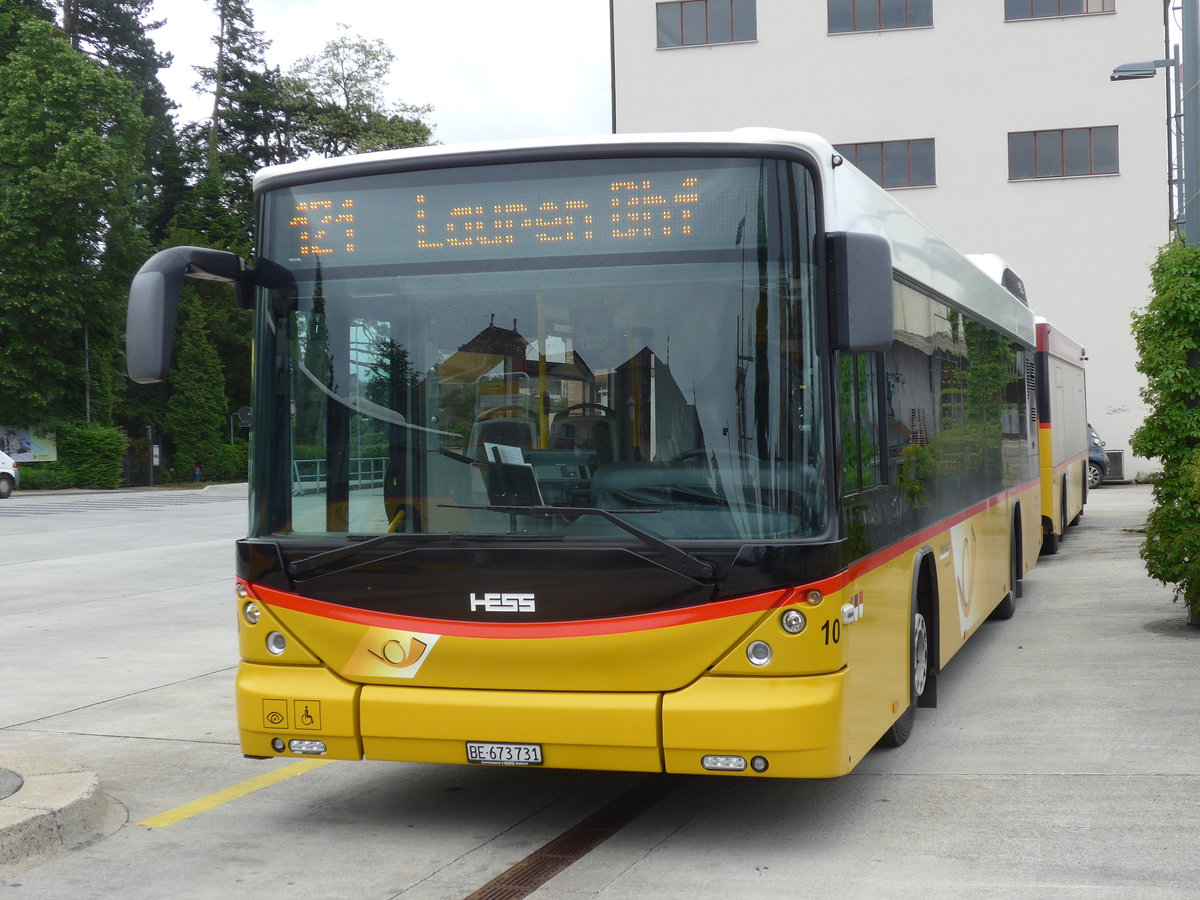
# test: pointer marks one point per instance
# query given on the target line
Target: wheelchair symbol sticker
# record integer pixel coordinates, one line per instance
(307, 714)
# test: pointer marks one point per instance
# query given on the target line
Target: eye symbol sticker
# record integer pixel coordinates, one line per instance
(275, 713)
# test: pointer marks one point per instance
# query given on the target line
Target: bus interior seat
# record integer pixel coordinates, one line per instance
(587, 426)
(509, 430)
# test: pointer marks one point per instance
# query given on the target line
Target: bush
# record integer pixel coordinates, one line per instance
(94, 454)
(89, 456)
(1168, 342)
(45, 476)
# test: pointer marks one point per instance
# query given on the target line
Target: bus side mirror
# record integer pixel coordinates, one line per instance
(860, 271)
(154, 303)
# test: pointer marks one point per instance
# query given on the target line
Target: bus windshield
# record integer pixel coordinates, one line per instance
(438, 347)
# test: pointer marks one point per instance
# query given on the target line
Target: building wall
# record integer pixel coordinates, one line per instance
(1082, 245)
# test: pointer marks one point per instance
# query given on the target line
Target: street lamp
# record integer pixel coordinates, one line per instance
(1129, 71)
(1133, 71)
(1185, 117)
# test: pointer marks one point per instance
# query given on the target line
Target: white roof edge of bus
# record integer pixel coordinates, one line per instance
(990, 264)
(760, 136)
(852, 202)
(856, 203)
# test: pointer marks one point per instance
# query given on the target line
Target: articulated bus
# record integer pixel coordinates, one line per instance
(677, 453)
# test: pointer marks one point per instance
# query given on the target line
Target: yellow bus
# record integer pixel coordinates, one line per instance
(689, 453)
(1062, 400)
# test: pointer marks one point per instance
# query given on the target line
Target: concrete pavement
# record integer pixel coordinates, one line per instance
(48, 805)
(1060, 762)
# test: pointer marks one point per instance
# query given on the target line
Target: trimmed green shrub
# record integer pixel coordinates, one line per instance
(45, 476)
(89, 456)
(1168, 342)
(94, 454)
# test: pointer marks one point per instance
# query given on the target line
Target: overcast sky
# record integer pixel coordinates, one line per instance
(491, 70)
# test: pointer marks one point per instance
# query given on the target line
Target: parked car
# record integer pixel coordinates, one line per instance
(1097, 459)
(10, 477)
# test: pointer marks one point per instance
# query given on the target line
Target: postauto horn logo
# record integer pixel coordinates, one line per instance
(383, 653)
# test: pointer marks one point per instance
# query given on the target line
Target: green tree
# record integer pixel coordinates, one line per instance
(1168, 341)
(224, 152)
(71, 140)
(346, 111)
(196, 412)
(222, 155)
(117, 33)
(14, 14)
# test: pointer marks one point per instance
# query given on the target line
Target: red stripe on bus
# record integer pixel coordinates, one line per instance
(755, 603)
(887, 554)
(722, 609)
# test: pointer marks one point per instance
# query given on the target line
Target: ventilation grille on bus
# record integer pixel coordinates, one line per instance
(1031, 390)
(1011, 282)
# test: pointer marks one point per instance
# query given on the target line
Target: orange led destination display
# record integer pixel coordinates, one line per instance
(372, 221)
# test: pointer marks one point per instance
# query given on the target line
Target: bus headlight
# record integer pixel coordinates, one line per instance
(759, 653)
(276, 643)
(251, 612)
(792, 621)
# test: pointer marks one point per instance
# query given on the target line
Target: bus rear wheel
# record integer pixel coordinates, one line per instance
(1008, 606)
(919, 678)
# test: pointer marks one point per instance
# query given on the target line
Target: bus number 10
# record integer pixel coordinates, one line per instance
(832, 629)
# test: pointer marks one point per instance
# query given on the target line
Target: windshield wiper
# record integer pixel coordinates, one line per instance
(330, 556)
(676, 558)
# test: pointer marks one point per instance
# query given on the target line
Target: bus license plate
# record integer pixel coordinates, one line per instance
(490, 754)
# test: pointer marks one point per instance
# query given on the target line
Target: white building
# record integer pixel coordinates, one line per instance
(993, 120)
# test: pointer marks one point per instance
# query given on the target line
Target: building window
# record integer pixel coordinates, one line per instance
(1062, 153)
(894, 164)
(706, 22)
(1048, 9)
(878, 15)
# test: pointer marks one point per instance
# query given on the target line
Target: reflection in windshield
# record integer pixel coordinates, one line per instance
(687, 392)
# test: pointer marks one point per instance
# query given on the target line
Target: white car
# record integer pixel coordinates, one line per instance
(10, 476)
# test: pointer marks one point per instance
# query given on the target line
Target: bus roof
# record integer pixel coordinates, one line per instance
(850, 200)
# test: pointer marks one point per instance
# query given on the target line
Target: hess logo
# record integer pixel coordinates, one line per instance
(503, 603)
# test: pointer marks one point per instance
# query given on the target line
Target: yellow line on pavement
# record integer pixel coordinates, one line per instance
(221, 797)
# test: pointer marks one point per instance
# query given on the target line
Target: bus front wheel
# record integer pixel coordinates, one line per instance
(919, 677)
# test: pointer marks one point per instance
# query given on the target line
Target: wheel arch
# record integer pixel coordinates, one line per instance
(1018, 538)
(924, 599)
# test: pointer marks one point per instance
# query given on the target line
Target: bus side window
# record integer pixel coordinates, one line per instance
(862, 457)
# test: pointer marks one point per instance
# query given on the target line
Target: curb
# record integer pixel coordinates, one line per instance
(58, 807)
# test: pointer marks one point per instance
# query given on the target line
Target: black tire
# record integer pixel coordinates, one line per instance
(1095, 476)
(918, 653)
(1050, 543)
(6, 487)
(1008, 605)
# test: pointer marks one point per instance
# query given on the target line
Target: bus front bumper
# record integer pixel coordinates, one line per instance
(794, 724)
